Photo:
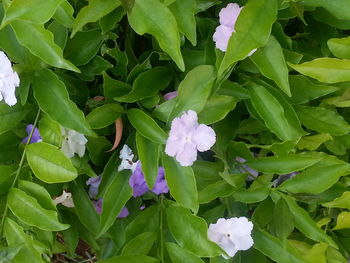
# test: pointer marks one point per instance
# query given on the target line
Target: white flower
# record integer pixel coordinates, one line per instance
(126, 156)
(65, 199)
(232, 234)
(9, 80)
(73, 142)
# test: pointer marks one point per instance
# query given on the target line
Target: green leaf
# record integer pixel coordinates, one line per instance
(148, 84)
(114, 199)
(146, 126)
(105, 115)
(253, 28)
(274, 248)
(28, 210)
(193, 237)
(50, 131)
(327, 70)
(55, 96)
(273, 114)
(340, 47)
(194, 90)
(49, 164)
(183, 11)
(36, 11)
(338, 8)
(180, 255)
(216, 109)
(130, 259)
(343, 221)
(44, 47)
(148, 153)
(270, 61)
(284, 164)
(322, 120)
(315, 180)
(8, 253)
(311, 143)
(181, 182)
(281, 213)
(215, 190)
(95, 10)
(84, 208)
(306, 224)
(11, 116)
(38, 192)
(341, 202)
(140, 245)
(154, 17)
(64, 14)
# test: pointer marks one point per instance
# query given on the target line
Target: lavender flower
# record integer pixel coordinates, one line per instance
(170, 95)
(94, 183)
(98, 206)
(9, 80)
(187, 136)
(138, 183)
(36, 135)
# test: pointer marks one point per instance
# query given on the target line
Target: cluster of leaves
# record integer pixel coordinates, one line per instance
(283, 109)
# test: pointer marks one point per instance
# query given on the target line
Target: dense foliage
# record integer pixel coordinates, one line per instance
(101, 160)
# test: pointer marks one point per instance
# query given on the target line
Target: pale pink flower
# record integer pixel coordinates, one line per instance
(9, 81)
(170, 95)
(187, 136)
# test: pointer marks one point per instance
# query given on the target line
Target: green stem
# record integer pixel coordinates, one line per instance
(18, 171)
(161, 229)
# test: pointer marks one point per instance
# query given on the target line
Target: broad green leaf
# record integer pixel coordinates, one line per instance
(154, 17)
(253, 28)
(306, 224)
(55, 96)
(38, 192)
(95, 10)
(312, 142)
(213, 191)
(180, 255)
(216, 109)
(49, 164)
(50, 131)
(146, 126)
(194, 90)
(271, 63)
(334, 256)
(114, 199)
(181, 182)
(130, 259)
(148, 84)
(148, 153)
(183, 11)
(341, 202)
(114, 88)
(343, 221)
(140, 245)
(8, 253)
(322, 120)
(11, 116)
(315, 180)
(7, 175)
(283, 164)
(281, 213)
(105, 115)
(193, 237)
(28, 210)
(340, 47)
(64, 14)
(274, 248)
(44, 47)
(327, 70)
(273, 114)
(338, 8)
(84, 208)
(36, 11)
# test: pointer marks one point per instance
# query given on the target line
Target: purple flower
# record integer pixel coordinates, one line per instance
(283, 177)
(138, 183)
(98, 207)
(187, 136)
(246, 169)
(36, 135)
(170, 95)
(93, 182)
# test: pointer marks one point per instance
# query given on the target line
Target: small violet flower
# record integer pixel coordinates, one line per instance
(138, 183)
(246, 169)
(170, 95)
(187, 136)
(98, 206)
(9, 80)
(94, 183)
(35, 137)
(73, 142)
(126, 156)
(228, 17)
(232, 234)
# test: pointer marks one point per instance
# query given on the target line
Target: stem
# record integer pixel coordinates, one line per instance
(161, 230)
(18, 171)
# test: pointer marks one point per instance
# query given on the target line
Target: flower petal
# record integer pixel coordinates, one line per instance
(188, 155)
(222, 36)
(229, 14)
(204, 137)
